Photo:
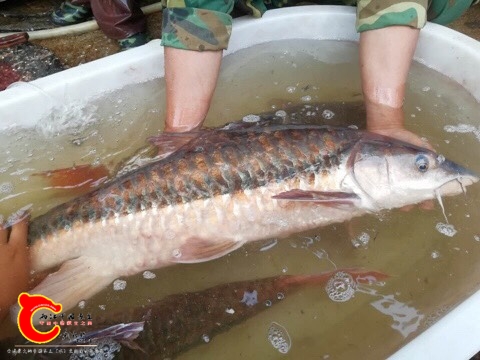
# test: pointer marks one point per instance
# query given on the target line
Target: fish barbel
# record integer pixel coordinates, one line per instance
(227, 187)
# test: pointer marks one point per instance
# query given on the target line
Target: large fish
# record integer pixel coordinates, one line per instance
(227, 187)
(167, 327)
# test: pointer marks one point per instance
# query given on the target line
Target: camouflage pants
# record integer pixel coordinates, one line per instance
(206, 24)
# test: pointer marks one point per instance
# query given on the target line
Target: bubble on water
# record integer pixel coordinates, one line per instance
(230, 311)
(460, 128)
(250, 298)
(340, 287)
(476, 237)
(81, 304)
(71, 119)
(281, 113)
(6, 188)
(426, 88)
(279, 338)
(268, 303)
(435, 254)
(280, 296)
(328, 114)
(361, 240)
(418, 108)
(251, 118)
(306, 98)
(102, 307)
(285, 269)
(149, 275)
(119, 285)
(206, 338)
(291, 89)
(176, 253)
(440, 158)
(446, 229)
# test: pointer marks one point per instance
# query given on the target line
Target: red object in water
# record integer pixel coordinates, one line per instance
(78, 179)
(7, 75)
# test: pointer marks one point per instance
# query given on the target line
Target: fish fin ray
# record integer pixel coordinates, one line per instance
(79, 179)
(76, 280)
(197, 250)
(168, 143)
(124, 333)
(323, 197)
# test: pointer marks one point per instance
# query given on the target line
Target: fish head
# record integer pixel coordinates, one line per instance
(387, 173)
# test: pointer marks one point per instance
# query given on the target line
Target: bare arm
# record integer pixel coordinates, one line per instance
(191, 77)
(385, 58)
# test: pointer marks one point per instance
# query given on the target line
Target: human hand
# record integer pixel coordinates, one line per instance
(405, 135)
(14, 264)
(388, 121)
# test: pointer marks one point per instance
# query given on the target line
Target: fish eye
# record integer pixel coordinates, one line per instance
(422, 163)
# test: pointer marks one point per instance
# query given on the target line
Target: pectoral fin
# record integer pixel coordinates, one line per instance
(76, 280)
(197, 250)
(332, 198)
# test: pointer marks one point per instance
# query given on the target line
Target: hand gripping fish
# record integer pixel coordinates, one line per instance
(224, 188)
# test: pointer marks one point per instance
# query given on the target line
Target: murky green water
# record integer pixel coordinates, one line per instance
(430, 271)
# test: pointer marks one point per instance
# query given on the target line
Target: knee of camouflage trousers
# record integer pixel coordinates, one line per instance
(197, 24)
(377, 14)
(206, 24)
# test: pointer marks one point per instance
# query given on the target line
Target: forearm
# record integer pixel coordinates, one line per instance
(193, 39)
(385, 58)
(190, 77)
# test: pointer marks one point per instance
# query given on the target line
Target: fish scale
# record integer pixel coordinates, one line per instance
(171, 181)
(225, 188)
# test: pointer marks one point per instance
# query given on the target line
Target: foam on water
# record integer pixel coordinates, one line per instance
(119, 285)
(446, 229)
(361, 240)
(149, 275)
(341, 287)
(279, 338)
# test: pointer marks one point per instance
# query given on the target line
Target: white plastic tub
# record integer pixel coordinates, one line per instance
(440, 48)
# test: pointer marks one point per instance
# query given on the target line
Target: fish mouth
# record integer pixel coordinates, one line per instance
(457, 185)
